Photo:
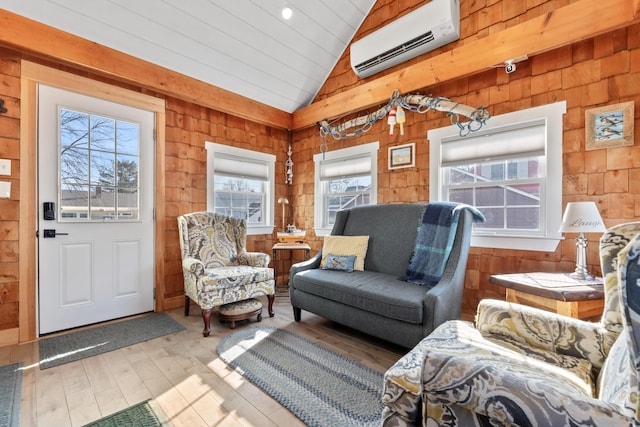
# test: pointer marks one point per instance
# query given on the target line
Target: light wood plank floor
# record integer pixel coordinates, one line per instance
(181, 372)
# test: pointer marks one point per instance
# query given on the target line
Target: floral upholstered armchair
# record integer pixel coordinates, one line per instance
(217, 268)
(521, 366)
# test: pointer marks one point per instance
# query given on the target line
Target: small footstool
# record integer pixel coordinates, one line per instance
(240, 310)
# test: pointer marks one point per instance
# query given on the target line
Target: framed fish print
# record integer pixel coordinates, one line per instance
(610, 126)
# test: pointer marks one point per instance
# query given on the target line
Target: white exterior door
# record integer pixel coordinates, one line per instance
(95, 210)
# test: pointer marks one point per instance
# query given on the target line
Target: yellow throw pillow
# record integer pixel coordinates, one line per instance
(346, 245)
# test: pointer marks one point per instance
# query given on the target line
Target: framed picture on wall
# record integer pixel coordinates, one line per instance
(610, 126)
(402, 156)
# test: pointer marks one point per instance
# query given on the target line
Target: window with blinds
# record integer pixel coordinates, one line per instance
(500, 172)
(511, 171)
(242, 185)
(344, 179)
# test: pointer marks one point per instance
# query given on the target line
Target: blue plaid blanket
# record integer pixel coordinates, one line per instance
(436, 234)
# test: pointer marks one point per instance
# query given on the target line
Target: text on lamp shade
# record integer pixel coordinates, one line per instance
(579, 222)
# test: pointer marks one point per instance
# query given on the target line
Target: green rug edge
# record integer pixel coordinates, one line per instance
(143, 414)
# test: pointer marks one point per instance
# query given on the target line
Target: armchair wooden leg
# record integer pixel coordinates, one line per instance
(297, 314)
(206, 317)
(271, 299)
(187, 302)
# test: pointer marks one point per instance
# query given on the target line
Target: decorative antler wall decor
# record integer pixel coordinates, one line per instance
(397, 105)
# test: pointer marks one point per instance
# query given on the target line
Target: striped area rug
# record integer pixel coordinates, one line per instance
(318, 385)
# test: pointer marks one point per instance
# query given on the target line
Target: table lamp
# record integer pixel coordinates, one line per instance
(283, 201)
(582, 217)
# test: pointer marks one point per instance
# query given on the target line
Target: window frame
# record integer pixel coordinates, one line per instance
(320, 208)
(549, 236)
(251, 156)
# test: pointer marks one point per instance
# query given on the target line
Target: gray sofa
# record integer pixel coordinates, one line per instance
(379, 301)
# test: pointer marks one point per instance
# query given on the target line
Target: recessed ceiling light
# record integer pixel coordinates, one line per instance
(287, 12)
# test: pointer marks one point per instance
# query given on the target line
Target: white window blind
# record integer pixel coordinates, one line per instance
(511, 142)
(240, 168)
(345, 168)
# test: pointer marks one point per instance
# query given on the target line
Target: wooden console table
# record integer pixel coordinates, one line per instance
(556, 292)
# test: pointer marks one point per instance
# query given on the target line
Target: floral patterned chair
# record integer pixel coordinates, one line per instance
(521, 366)
(217, 268)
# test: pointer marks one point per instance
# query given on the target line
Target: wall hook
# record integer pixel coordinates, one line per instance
(2, 109)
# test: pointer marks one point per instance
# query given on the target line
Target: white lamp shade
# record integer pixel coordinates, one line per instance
(582, 217)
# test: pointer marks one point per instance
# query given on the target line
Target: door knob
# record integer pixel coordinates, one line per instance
(48, 233)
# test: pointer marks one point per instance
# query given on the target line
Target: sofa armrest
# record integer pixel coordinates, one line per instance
(402, 388)
(193, 266)
(310, 264)
(545, 330)
(254, 259)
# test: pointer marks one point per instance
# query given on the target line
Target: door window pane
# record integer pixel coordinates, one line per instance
(102, 133)
(98, 182)
(128, 135)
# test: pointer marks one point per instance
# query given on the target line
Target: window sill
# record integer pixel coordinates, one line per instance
(320, 232)
(528, 243)
(252, 231)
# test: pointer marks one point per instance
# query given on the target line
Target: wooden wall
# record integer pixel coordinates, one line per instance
(594, 72)
(9, 208)
(183, 172)
(188, 127)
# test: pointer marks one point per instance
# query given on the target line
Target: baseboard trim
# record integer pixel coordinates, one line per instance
(172, 302)
(9, 336)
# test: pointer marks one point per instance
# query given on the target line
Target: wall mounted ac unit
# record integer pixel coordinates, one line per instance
(426, 28)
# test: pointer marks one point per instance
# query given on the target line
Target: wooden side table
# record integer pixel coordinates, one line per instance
(278, 247)
(556, 292)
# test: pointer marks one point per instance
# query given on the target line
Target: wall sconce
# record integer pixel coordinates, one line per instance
(582, 217)
(283, 201)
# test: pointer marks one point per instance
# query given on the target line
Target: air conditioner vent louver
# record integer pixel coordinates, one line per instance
(398, 50)
(426, 28)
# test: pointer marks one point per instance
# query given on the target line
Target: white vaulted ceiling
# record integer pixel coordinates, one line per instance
(243, 46)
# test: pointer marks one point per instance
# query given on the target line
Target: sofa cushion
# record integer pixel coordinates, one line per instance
(379, 293)
(346, 245)
(339, 262)
(234, 276)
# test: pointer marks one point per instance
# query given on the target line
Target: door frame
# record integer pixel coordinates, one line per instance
(32, 74)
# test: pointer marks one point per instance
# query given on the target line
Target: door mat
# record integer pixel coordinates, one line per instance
(10, 394)
(77, 345)
(143, 414)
